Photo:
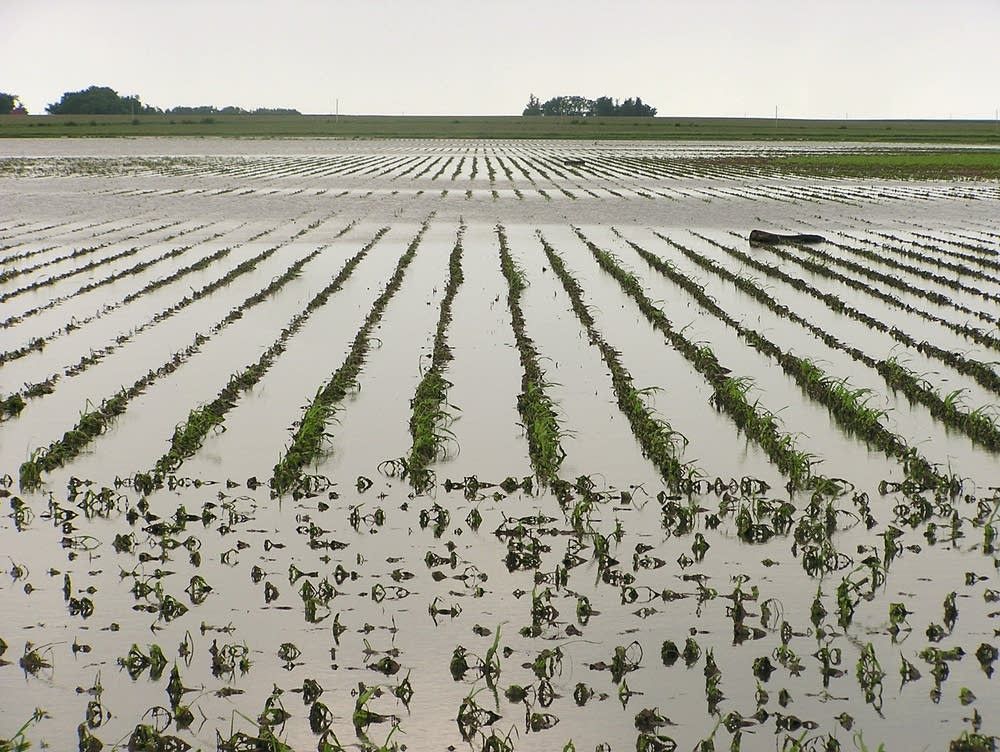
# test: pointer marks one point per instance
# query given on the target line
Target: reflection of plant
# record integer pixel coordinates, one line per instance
(472, 717)
(33, 660)
(488, 667)
(870, 674)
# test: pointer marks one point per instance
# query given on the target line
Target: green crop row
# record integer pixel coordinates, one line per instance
(981, 372)
(534, 402)
(729, 392)
(429, 405)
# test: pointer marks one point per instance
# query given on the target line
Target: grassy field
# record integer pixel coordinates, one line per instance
(946, 164)
(661, 128)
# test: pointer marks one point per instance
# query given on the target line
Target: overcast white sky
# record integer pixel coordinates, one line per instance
(860, 58)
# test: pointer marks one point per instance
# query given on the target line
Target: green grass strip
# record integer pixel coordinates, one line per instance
(949, 163)
(189, 436)
(429, 404)
(307, 443)
(660, 443)
(533, 403)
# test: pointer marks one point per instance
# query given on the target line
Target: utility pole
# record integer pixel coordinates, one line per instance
(338, 110)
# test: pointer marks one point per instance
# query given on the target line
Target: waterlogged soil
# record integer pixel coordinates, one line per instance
(484, 602)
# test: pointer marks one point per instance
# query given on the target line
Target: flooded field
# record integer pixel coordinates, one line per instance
(496, 446)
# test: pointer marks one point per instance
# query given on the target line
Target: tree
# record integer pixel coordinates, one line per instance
(534, 106)
(579, 106)
(7, 103)
(552, 107)
(604, 106)
(635, 108)
(98, 100)
(567, 105)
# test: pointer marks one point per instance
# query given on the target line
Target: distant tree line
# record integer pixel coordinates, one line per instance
(207, 109)
(103, 100)
(582, 107)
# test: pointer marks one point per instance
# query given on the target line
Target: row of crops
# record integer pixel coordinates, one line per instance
(356, 471)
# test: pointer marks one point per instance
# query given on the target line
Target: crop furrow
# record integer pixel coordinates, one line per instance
(660, 444)
(430, 166)
(22, 256)
(79, 253)
(111, 278)
(33, 231)
(443, 167)
(847, 406)
(982, 256)
(880, 256)
(982, 425)
(308, 439)
(94, 264)
(39, 343)
(47, 385)
(974, 424)
(822, 266)
(729, 393)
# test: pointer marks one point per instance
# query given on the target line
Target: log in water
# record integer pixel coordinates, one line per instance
(763, 237)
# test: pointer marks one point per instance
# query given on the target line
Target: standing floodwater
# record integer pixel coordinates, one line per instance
(500, 446)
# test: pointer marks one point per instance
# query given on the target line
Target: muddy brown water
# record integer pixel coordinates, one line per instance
(798, 607)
